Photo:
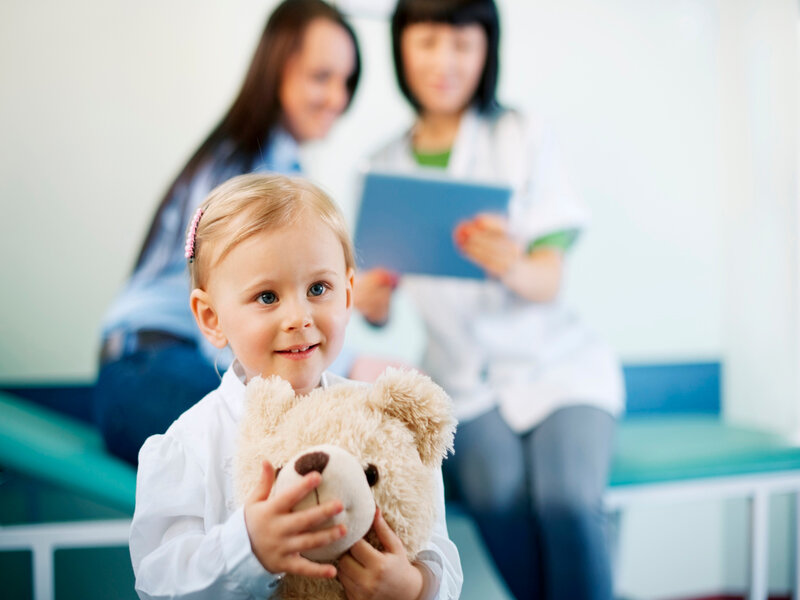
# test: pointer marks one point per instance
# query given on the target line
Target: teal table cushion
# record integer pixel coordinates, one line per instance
(651, 449)
(61, 450)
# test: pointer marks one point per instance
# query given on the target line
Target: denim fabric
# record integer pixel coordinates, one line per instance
(141, 394)
(537, 500)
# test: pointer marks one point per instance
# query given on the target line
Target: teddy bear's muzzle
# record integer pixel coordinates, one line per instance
(344, 478)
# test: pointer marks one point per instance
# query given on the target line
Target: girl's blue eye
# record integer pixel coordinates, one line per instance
(316, 289)
(267, 298)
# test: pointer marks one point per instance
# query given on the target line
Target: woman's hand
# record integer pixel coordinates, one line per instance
(368, 574)
(485, 241)
(372, 294)
(535, 275)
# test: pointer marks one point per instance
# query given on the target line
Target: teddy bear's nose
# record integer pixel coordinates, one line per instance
(313, 461)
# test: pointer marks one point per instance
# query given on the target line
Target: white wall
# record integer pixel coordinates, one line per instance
(759, 67)
(677, 117)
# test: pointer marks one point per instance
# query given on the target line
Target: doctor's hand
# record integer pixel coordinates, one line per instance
(485, 241)
(372, 294)
(278, 535)
(367, 573)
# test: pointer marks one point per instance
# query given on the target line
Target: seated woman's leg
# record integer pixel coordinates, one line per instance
(489, 475)
(141, 394)
(570, 455)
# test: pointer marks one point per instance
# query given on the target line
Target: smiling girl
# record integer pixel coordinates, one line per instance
(272, 276)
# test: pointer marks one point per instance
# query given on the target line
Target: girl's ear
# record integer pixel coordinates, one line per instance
(206, 317)
(350, 278)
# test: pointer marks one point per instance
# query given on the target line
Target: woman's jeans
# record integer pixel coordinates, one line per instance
(141, 394)
(537, 500)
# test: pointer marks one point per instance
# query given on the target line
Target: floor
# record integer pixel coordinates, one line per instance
(481, 581)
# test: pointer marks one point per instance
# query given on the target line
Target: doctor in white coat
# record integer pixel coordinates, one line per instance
(536, 392)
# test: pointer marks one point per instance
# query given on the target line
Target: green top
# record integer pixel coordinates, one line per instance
(432, 159)
(558, 240)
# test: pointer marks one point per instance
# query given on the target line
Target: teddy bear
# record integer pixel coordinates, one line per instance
(374, 445)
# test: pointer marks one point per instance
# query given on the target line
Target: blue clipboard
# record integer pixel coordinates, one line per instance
(405, 223)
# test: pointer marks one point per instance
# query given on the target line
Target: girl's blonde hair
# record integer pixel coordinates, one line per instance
(249, 204)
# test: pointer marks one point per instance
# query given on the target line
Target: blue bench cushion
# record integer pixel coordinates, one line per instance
(673, 388)
(661, 448)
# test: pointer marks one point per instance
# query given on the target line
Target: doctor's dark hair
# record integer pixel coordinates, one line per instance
(236, 143)
(451, 12)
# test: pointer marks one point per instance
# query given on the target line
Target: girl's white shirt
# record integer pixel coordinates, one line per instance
(485, 345)
(188, 537)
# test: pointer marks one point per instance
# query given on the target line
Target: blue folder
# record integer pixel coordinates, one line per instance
(406, 223)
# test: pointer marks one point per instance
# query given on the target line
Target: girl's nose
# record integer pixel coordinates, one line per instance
(297, 315)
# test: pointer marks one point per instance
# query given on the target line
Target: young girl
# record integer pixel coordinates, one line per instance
(154, 364)
(272, 268)
(535, 391)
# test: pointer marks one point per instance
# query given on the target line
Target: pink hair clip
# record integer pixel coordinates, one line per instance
(191, 235)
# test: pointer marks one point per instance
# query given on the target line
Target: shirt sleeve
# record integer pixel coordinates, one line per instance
(176, 551)
(440, 555)
(560, 240)
(547, 203)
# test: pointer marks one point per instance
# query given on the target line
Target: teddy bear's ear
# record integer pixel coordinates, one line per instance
(266, 402)
(422, 405)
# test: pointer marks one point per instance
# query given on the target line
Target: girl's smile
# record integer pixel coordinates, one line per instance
(298, 352)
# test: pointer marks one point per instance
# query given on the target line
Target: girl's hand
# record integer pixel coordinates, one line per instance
(367, 573)
(278, 535)
(485, 241)
(372, 294)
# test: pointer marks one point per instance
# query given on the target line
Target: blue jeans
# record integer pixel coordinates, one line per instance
(141, 394)
(537, 500)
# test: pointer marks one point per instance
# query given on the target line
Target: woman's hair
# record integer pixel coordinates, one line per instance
(251, 119)
(254, 203)
(451, 12)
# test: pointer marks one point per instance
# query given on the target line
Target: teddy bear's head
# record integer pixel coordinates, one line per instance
(343, 478)
(397, 432)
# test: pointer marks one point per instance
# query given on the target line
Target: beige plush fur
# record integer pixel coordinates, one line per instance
(402, 424)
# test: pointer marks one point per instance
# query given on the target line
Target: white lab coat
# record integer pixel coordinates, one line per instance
(188, 537)
(485, 345)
